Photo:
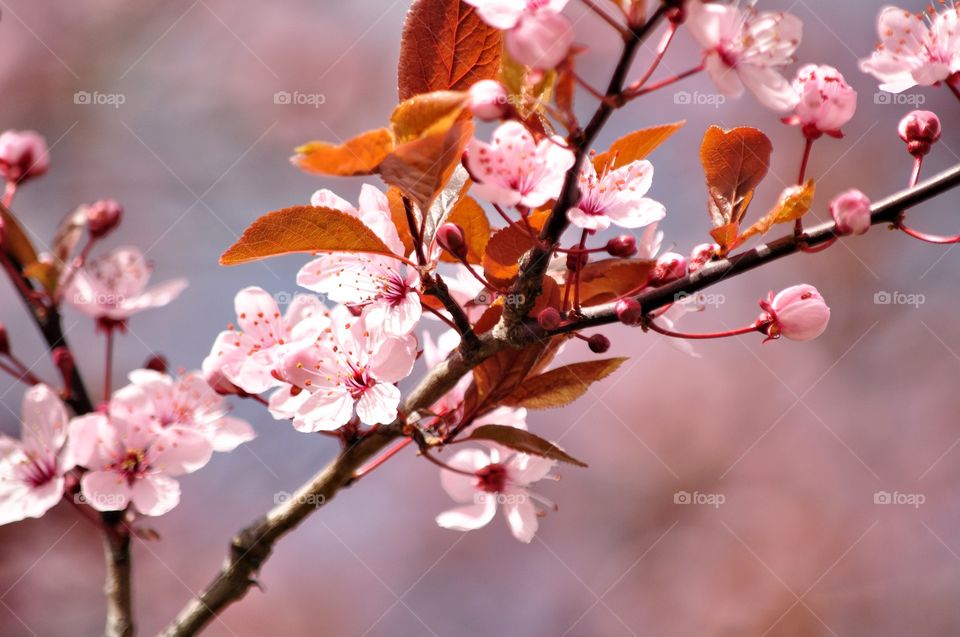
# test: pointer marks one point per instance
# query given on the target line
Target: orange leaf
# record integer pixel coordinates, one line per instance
(734, 161)
(636, 145)
(489, 318)
(794, 202)
(16, 243)
(358, 156)
(609, 279)
(726, 236)
(428, 113)
(445, 45)
(550, 296)
(561, 386)
(398, 215)
(468, 214)
(502, 256)
(303, 229)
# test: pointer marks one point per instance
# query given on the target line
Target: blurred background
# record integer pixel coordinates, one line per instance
(795, 439)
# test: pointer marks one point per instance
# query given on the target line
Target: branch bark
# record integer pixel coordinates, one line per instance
(116, 551)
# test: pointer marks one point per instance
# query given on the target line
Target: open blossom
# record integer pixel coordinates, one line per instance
(915, 49)
(32, 468)
(383, 286)
(346, 368)
(616, 197)
(826, 101)
(495, 478)
(23, 155)
(187, 402)
(538, 35)
(113, 287)
(798, 313)
(746, 48)
(247, 355)
(515, 170)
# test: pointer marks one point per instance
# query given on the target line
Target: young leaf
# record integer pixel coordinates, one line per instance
(427, 114)
(502, 256)
(609, 279)
(561, 386)
(468, 214)
(445, 46)
(398, 214)
(303, 229)
(358, 156)
(524, 442)
(734, 162)
(794, 202)
(444, 203)
(16, 243)
(636, 145)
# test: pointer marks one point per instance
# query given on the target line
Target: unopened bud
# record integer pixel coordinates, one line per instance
(701, 254)
(157, 363)
(629, 311)
(577, 260)
(450, 237)
(23, 155)
(920, 130)
(670, 267)
(488, 100)
(103, 216)
(624, 246)
(217, 381)
(851, 211)
(63, 360)
(598, 343)
(549, 319)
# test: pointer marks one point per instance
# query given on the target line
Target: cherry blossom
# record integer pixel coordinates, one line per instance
(616, 197)
(23, 155)
(515, 170)
(32, 468)
(247, 356)
(915, 49)
(851, 211)
(798, 313)
(826, 101)
(346, 369)
(113, 287)
(494, 479)
(538, 35)
(745, 48)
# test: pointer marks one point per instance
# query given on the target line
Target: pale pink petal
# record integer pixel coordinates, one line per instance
(181, 450)
(723, 75)
(44, 420)
(521, 515)
(541, 40)
(155, 494)
(637, 214)
(105, 490)
(588, 221)
(470, 517)
(328, 199)
(378, 404)
(500, 14)
(230, 433)
(769, 87)
(394, 359)
(157, 296)
(458, 486)
(325, 410)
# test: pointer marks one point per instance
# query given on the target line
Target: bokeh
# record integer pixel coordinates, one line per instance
(783, 448)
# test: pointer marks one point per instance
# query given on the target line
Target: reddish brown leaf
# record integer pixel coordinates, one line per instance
(489, 318)
(427, 114)
(794, 202)
(399, 216)
(609, 279)
(358, 156)
(636, 145)
(445, 45)
(468, 214)
(16, 242)
(303, 229)
(501, 259)
(524, 442)
(561, 386)
(734, 162)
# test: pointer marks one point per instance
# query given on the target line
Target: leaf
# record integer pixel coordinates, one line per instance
(45, 273)
(527, 90)
(16, 242)
(427, 114)
(734, 162)
(794, 202)
(445, 202)
(561, 386)
(398, 215)
(502, 257)
(358, 156)
(726, 236)
(609, 279)
(422, 167)
(550, 296)
(524, 442)
(636, 145)
(303, 229)
(445, 45)
(468, 214)
(489, 318)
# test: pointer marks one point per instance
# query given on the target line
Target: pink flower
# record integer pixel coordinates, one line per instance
(381, 285)
(537, 34)
(494, 481)
(114, 286)
(798, 312)
(913, 51)
(187, 402)
(616, 197)
(23, 155)
(826, 101)
(920, 130)
(32, 468)
(247, 357)
(346, 368)
(851, 211)
(745, 48)
(514, 170)
(488, 100)
(131, 460)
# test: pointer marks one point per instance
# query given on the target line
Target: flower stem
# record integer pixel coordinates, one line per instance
(737, 332)
(9, 192)
(901, 224)
(108, 365)
(656, 86)
(661, 51)
(807, 147)
(444, 465)
(362, 471)
(593, 6)
(576, 283)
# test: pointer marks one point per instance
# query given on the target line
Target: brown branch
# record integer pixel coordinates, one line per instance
(116, 551)
(433, 284)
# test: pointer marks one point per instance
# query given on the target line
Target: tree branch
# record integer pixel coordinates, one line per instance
(116, 551)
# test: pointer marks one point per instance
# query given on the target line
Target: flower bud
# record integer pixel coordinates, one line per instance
(4, 341)
(629, 312)
(103, 216)
(218, 382)
(157, 363)
(624, 246)
(63, 361)
(798, 313)
(23, 155)
(488, 100)
(577, 260)
(920, 130)
(701, 254)
(851, 211)
(450, 237)
(598, 343)
(670, 267)
(549, 318)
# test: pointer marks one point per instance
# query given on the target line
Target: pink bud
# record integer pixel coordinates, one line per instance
(798, 312)
(624, 246)
(549, 318)
(577, 260)
(701, 254)
(670, 267)
(598, 343)
(540, 39)
(920, 130)
(488, 100)
(157, 363)
(23, 155)
(103, 216)
(218, 382)
(629, 312)
(450, 237)
(851, 211)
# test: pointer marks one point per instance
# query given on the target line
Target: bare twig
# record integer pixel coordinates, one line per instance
(116, 551)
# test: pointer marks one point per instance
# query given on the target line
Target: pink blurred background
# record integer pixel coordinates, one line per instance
(796, 438)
